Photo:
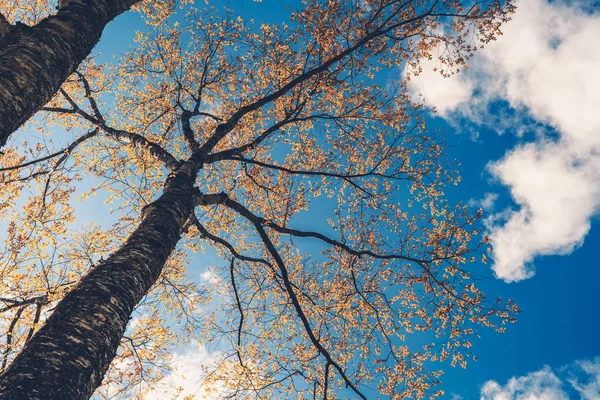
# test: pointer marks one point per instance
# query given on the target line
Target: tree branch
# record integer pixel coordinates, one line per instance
(345, 177)
(258, 224)
(188, 133)
(89, 97)
(67, 150)
(240, 309)
(225, 128)
(9, 335)
(294, 299)
(134, 139)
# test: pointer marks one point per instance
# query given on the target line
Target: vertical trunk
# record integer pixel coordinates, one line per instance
(35, 61)
(69, 356)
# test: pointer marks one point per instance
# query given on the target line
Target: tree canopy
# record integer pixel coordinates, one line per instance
(295, 151)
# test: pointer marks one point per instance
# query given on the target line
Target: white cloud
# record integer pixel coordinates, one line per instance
(487, 203)
(557, 195)
(443, 94)
(546, 67)
(546, 384)
(590, 388)
(186, 377)
(210, 277)
(540, 385)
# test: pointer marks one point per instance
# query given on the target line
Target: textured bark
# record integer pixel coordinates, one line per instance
(69, 356)
(35, 61)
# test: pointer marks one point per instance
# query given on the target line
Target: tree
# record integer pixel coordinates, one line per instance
(255, 127)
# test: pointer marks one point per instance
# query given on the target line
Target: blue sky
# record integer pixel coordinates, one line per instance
(524, 122)
(528, 103)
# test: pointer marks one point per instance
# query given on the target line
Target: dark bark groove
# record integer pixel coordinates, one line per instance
(69, 356)
(35, 61)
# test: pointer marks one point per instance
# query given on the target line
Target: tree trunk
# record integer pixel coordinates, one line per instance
(69, 355)
(35, 61)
